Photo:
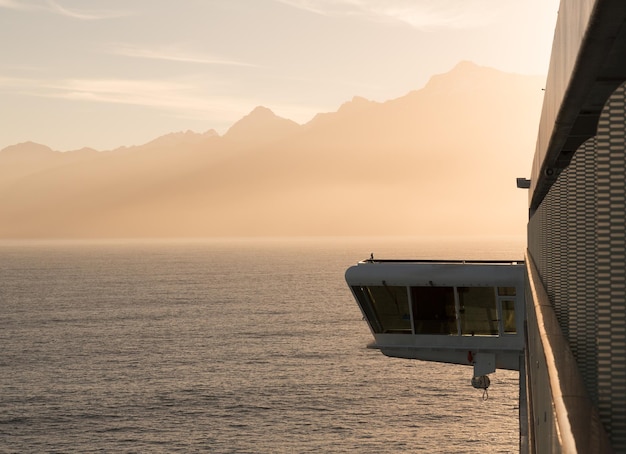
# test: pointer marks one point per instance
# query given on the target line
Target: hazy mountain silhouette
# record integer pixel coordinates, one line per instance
(440, 160)
(260, 127)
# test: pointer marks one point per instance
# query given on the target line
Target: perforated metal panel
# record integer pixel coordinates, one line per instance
(579, 275)
(611, 268)
(577, 238)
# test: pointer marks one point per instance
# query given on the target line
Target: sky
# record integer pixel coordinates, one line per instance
(108, 73)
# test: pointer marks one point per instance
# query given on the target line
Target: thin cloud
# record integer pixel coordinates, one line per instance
(152, 93)
(172, 54)
(147, 93)
(83, 15)
(323, 7)
(440, 15)
(51, 6)
(175, 97)
(423, 15)
(18, 5)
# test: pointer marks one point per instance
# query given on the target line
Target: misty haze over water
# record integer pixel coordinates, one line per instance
(441, 160)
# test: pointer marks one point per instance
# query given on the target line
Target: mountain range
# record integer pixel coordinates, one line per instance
(441, 160)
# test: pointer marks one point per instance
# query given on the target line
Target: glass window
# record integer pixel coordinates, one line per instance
(478, 313)
(506, 291)
(386, 307)
(508, 316)
(434, 310)
(362, 296)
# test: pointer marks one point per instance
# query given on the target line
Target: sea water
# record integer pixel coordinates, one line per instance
(226, 346)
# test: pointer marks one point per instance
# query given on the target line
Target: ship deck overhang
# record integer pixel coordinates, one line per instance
(587, 65)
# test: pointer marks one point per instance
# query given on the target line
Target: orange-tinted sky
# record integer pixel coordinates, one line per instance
(106, 73)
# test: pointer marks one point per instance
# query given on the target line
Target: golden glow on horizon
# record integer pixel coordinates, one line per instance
(439, 161)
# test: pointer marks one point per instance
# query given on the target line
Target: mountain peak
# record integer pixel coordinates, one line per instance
(357, 103)
(261, 125)
(30, 148)
(466, 77)
(182, 138)
(465, 65)
(262, 111)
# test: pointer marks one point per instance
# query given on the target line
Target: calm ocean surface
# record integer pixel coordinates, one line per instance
(225, 346)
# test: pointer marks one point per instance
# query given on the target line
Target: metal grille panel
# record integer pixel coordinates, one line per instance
(611, 273)
(577, 238)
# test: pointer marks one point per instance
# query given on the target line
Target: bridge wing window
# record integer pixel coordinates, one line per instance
(467, 311)
(365, 302)
(508, 316)
(434, 310)
(506, 291)
(478, 312)
(386, 308)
